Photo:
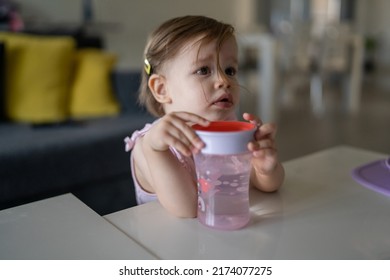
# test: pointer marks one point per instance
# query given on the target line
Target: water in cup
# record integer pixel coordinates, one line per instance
(223, 169)
(223, 185)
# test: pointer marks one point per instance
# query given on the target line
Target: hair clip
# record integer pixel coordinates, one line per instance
(147, 67)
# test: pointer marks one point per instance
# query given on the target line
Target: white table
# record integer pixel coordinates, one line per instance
(320, 213)
(62, 228)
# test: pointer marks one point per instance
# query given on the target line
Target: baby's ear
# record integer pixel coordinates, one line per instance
(157, 85)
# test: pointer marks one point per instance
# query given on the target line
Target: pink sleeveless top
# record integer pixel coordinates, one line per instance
(143, 196)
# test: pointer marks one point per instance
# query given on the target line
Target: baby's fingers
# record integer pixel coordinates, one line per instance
(182, 144)
(190, 118)
(267, 130)
(252, 119)
(186, 134)
(185, 141)
(261, 145)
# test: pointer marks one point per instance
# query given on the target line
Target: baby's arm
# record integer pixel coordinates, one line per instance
(267, 172)
(161, 171)
(269, 181)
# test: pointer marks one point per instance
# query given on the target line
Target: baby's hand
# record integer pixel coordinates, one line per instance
(174, 129)
(265, 157)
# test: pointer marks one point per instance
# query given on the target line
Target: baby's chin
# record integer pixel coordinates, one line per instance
(224, 117)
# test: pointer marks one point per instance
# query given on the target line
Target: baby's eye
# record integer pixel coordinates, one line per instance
(203, 70)
(231, 71)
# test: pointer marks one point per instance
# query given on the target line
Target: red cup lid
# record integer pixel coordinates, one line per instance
(225, 126)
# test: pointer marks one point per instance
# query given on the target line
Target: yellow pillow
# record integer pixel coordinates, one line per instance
(92, 93)
(38, 77)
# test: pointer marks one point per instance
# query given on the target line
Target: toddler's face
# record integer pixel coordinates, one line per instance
(197, 84)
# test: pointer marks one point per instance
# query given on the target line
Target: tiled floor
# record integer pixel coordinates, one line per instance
(301, 132)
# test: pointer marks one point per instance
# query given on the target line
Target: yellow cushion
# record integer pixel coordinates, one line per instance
(38, 77)
(92, 93)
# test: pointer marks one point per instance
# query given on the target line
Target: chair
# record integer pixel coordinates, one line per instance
(308, 56)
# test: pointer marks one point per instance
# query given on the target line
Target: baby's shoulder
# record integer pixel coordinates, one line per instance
(131, 141)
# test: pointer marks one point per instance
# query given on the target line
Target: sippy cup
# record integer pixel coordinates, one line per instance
(223, 169)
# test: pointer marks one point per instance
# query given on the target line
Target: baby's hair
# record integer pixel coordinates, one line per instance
(168, 39)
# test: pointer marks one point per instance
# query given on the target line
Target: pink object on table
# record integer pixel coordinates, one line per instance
(223, 170)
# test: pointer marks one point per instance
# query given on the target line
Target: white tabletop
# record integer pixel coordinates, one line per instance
(320, 213)
(62, 228)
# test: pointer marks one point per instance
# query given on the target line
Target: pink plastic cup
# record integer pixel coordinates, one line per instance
(223, 170)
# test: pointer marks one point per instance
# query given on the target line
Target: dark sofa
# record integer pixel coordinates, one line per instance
(86, 158)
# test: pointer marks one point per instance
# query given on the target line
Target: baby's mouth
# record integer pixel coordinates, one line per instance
(224, 102)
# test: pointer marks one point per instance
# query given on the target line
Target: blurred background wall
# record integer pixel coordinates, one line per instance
(125, 24)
